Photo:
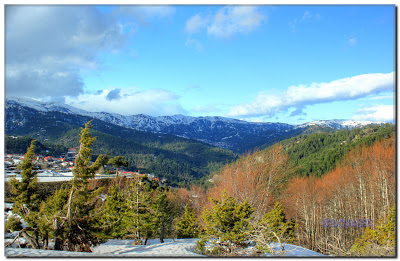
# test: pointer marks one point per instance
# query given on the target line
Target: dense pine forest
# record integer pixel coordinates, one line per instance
(317, 153)
(333, 193)
(180, 161)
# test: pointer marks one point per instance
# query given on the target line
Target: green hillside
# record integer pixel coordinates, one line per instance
(317, 153)
(180, 161)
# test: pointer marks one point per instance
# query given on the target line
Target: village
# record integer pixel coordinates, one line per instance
(51, 169)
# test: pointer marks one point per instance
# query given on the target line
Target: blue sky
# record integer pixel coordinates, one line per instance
(271, 63)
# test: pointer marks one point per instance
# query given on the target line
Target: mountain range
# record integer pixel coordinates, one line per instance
(236, 135)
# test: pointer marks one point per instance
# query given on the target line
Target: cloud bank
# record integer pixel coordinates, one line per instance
(376, 113)
(226, 22)
(300, 96)
(129, 101)
(47, 47)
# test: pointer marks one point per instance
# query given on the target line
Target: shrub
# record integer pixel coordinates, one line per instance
(13, 224)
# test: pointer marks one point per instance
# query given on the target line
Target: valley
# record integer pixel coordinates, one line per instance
(181, 185)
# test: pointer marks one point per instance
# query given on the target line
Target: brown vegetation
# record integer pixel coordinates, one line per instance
(362, 187)
(257, 177)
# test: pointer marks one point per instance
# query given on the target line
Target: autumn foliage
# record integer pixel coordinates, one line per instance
(256, 177)
(362, 187)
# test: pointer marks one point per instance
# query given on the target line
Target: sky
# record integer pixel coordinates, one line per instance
(261, 63)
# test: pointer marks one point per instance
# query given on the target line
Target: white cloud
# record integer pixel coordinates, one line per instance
(304, 95)
(307, 16)
(195, 23)
(48, 46)
(144, 13)
(381, 97)
(227, 21)
(376, 113)
(232, 20)
(130, 101)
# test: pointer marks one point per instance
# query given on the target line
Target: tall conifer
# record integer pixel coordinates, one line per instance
(227, 225)
(26, 200)
(81, 212)
(186, 226)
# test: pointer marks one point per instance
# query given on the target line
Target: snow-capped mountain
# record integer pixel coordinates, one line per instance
(219, 131)
(337, 124)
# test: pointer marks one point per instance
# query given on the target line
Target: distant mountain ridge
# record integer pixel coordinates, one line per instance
(233, 134)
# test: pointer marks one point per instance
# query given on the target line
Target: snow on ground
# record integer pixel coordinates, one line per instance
(119, 248)
(47, 179)
(53, 176)
(292, 250)
(170, 248)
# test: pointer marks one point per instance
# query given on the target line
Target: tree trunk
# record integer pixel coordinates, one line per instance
(36, 238)
(30, 239)
(57, 241)
(162, 229)
(46, 241)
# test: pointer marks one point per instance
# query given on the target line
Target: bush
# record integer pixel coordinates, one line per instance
(226, 227)
(379, 241)
(13, 224)
(187, 226)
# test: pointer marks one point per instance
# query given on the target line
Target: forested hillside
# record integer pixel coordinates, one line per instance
(344, 208)
(179, 161)
(262, 197)
(18, 145)
(317, 153)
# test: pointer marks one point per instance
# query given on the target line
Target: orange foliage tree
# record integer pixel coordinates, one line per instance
(256, 177)
(362, 187)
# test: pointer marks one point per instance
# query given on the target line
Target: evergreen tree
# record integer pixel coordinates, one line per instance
(141, 217)
(380, 241)
(118, 161)
(147, 219)
(166, 212)
(186, 226)
(81, 211)
(226, 225)
(51, 219)
(273, 228)
(13, 224)
(84, 169)
(276, 222)
(26, 201)
(115, 217)
(26, 191)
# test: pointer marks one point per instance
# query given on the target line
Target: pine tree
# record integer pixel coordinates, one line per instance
(187, 226)
(276, 221)
(13, 224)
(27, 200)
(273, 228)
(165, 211)
(26, 191)
(81, 212)
(52, 217)
(114, 221)
(140, 219)
(226, 225)
(146, 218)
(118, 161)
(380, 241)
(84, 169)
